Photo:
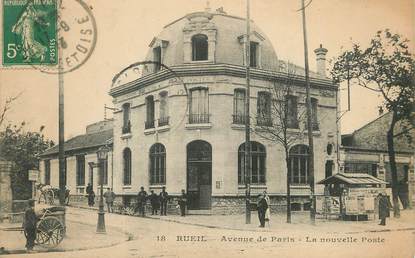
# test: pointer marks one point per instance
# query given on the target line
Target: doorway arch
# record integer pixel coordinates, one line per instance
(199, 175)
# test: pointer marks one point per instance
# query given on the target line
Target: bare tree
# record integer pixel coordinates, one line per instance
(6, 107)
(283, 125)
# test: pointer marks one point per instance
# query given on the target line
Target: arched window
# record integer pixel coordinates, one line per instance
(258, 163)
(157, 164)
(127, 166)
(298, 158)
(199, 47)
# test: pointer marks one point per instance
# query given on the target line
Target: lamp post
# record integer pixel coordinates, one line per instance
(102, 154)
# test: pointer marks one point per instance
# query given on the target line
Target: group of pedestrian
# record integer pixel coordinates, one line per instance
(157, 202)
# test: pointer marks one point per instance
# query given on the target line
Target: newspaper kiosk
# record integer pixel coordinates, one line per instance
(350, 196)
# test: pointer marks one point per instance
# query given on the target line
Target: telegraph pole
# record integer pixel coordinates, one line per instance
(309, 121)
(247, 167)
(62, 169)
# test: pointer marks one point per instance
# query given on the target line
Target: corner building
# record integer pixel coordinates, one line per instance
(185, 129)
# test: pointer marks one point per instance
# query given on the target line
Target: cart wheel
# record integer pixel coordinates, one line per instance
(50, 232)
(50, 197)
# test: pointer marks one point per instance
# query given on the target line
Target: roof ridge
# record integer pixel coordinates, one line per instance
(371, 122)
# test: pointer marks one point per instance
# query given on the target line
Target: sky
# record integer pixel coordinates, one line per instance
(126, 27)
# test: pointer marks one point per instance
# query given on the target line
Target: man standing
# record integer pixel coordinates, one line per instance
(384, 208)
(141, 201)
(109, 196)
(182, 203)
(262, 208)
(163, 201)
(29, 226)
(90, 194)
(154, 201)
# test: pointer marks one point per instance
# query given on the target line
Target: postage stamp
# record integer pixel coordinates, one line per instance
(29, 32)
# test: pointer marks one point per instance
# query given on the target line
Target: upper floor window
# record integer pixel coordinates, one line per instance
(239, 106)
(292, 112)
(47, 172)
(157, 164)
(126, 127)
(258, 158)
(149, 112)
(164, 109)
(253, 51)
(199, 106)
(127, 166)
(199, 47)
(264, 109)
(314, 119)
(298, 159)
(361, 167)
(80, 170)
(157, 58)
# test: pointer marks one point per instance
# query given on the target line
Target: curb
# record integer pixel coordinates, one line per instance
(242, 229)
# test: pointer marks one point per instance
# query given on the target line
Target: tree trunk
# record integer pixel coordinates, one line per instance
(287, 161)
(392, 162)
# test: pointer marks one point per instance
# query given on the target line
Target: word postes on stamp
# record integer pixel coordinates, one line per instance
(77, 36)
(30, 32)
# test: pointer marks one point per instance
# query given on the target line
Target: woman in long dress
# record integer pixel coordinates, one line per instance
(268, 211)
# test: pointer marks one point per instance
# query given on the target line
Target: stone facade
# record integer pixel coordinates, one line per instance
(220, 75)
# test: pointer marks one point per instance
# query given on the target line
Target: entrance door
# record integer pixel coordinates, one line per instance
(329, 168)
(199, 175)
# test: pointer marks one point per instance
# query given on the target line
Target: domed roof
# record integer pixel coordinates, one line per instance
(225, 33)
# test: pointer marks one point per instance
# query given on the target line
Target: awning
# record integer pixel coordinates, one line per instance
(352, 179)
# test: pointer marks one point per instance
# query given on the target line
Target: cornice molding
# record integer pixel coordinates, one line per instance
(215, 70)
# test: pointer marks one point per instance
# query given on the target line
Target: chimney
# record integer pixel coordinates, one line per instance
(321, 61)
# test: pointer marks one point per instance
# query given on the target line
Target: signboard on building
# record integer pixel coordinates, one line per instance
(367, 192)
(33, 175)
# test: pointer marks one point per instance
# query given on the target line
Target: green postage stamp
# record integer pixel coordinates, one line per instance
(29, 32)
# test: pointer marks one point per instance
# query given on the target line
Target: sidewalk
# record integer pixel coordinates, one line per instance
(300, 222)
(79, 236)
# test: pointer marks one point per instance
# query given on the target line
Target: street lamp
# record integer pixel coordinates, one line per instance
(102, 154)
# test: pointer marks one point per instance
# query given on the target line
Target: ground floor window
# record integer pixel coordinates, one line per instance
(257, 162)
(298, 159)
(157, 164)
(127, 166)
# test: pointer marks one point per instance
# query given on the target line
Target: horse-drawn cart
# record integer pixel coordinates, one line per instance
(50, 227)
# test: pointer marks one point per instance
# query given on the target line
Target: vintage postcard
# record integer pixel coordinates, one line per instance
(207, 128)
